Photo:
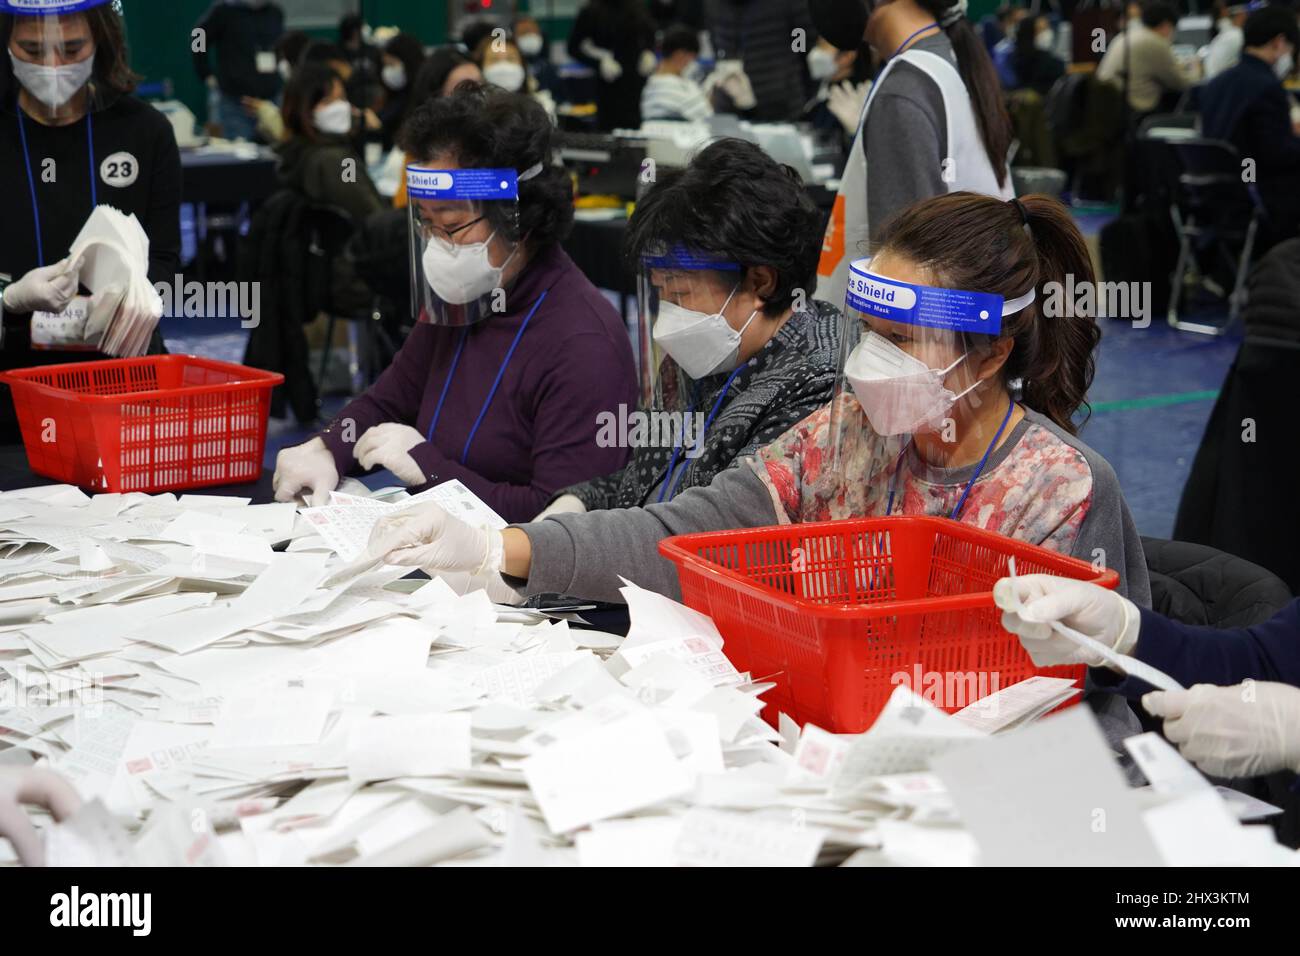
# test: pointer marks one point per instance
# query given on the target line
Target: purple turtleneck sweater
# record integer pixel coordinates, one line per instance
(538, 435)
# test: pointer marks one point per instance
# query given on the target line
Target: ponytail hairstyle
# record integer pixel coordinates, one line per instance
(981, 79)
(981, 243)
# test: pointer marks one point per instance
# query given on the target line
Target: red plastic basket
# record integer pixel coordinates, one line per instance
(156, 423)
(838, 613)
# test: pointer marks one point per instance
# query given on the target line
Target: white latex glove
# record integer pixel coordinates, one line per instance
(563, 505)
(428, 538)
(388, 446)
(38, 787)
(845, 101)
(647, 63)
(309, 467)
(1091, 610)
(1234, 732)
(44, 289)
(730, 76)
(608, 66)
(610, 69)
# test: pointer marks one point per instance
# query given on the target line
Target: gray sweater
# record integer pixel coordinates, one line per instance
(584, 555)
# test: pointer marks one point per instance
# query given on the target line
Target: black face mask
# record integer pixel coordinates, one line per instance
(841, 22)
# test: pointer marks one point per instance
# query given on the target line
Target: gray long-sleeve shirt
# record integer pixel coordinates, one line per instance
(584, 555)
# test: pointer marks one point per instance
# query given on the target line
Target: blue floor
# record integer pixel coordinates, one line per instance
(1151, 398)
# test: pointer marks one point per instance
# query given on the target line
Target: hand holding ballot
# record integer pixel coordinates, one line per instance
(1030, 604)
(112, 251)
(308, 467)
(47, 288)
(430, 538)
(1235, 732)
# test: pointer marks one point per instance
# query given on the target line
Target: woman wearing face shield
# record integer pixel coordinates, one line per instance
(72, 137)
(726, 249)
(960, 405)
(515, 355)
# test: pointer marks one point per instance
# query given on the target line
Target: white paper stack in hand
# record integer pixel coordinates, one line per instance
(124, 306)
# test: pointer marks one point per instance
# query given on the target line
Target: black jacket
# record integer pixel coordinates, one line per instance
(1240, 495)
(239, 32)
(277, 253)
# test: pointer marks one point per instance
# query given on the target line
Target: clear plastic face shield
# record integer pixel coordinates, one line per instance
(52, 53)
(915, 364)
(466, 248)
(693, 310)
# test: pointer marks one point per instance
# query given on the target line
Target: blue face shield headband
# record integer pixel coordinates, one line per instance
(954, 310)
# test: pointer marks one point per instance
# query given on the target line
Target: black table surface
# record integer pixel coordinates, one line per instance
(16, 473)
(227, 176)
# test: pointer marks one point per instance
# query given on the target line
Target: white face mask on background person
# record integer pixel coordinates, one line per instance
(394, 76)
(530, 44)
(1043, 41)
(52, 85)
(1282, 67)
(462, 273)
(821, 63)
(334, 118)
(898, 392)
(702, 344)
(285, 69)
(503, 73)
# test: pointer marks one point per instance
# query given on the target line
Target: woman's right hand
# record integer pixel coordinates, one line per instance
(44, 289)
(307, 467)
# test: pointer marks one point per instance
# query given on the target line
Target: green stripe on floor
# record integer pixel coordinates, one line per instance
(1155, 401)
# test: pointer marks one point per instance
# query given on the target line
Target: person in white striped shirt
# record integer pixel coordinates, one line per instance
(669, 93)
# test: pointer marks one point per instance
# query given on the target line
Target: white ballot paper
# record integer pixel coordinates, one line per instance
(1048, 795)
(1127, 665)
(609, 759)
(908, 733)
(347, 521)
(125, 308)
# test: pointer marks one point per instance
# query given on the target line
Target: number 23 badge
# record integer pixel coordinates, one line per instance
(120, 170)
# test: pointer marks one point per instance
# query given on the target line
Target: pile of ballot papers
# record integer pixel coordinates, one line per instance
(226, 685)
(124, 307)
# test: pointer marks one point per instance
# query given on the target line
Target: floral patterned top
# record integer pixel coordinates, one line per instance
(1037, 487)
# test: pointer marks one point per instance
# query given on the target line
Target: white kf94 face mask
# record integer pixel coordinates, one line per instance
(462, 273)
(899, 393)
(52, 85)
(702, 344)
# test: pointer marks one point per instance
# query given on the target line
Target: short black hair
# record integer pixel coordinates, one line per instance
(472, 33)
(488, 128)
(1157, 13)
(678, 38)
(349, 26)
(735, 202)
(1268, 22)
(433, 74)
(322, 51)
(291, 45)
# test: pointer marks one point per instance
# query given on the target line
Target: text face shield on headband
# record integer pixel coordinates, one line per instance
(52, 53)
(464, 230)
(687, 302)
(909, 362)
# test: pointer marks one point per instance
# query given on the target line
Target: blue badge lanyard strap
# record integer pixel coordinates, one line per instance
(496, 382)
(31, 179)
(671, 478)
(961, 503)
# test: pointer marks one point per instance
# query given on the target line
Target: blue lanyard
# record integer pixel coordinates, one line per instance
(670, 479)
(961, 503)
(911, 38)
(496, 383)
(31, 180)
